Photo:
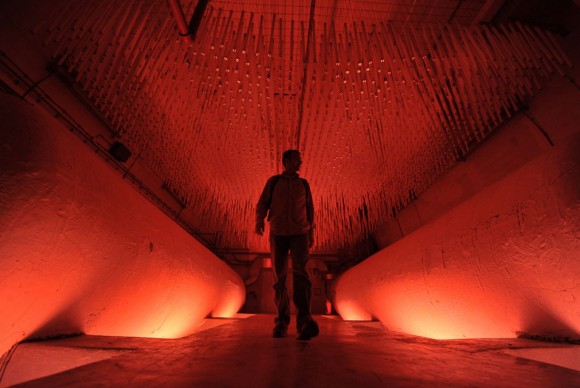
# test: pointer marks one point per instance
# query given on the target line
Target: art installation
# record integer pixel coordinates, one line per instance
(379, 109)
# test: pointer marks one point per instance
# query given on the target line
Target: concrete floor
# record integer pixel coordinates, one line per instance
(241, 353)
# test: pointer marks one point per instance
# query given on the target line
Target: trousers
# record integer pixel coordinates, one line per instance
(298, 246)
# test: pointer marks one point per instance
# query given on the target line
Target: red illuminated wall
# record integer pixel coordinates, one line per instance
(493, 248)
(82, 251)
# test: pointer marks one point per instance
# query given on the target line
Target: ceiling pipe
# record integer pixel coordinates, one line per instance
(195, 21)
(180, 18)
(185, 30)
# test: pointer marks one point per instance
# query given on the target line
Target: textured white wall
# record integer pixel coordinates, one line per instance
(505, 259)
(82, 251)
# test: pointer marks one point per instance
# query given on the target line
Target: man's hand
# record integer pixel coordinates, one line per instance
(260, 228)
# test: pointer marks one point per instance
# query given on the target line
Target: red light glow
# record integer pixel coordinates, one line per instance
(502, 262)
(86, 253)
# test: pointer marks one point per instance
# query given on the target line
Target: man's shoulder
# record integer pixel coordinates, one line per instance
(273, 180)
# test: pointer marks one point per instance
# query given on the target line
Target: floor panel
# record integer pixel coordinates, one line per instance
(241, 353)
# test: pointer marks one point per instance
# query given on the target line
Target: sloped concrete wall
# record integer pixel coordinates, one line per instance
(500, 252)
(82, 251)
(506, 260)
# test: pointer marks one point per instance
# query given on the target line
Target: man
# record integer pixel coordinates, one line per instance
(291, 215)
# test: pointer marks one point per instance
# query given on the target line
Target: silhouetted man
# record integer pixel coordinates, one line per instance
(291, 216)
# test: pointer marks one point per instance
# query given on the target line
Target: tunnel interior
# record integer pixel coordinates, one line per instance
(440, 140)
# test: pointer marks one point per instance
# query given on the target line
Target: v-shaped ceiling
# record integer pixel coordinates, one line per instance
(380, 106)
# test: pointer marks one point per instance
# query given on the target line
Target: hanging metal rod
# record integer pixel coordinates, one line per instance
(305, 73)
(188, 30)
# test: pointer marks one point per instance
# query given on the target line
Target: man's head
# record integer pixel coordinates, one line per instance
(292, 160)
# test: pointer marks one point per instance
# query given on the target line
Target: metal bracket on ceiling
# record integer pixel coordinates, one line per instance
(188, 30)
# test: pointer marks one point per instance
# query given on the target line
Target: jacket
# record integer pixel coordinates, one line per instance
(289, 201)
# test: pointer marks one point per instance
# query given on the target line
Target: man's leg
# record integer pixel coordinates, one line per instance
(279, 246)
(302, 286)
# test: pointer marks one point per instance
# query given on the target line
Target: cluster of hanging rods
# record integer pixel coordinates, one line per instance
(388, 108)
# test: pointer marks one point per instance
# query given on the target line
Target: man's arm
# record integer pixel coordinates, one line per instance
(309, 213)
(262, 207)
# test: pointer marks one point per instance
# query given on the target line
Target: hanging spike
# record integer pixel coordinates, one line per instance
(213, 117)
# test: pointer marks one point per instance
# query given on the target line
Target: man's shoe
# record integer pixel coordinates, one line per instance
(280, 331)
(308, 330)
